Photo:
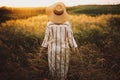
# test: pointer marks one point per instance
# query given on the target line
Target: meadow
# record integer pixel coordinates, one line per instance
(97, 36)
(10, 13)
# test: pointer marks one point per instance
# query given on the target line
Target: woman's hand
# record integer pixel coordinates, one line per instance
(79, 55)
(77, 51)
(39, 55)
(41, 51)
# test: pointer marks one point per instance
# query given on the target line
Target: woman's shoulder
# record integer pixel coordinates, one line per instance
(49, 23)
(65, 23)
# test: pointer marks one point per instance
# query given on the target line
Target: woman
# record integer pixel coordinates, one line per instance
(57, 39)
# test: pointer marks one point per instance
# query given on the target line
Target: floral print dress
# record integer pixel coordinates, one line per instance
(58, 39)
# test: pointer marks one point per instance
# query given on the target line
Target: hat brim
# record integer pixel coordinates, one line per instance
(56, 18)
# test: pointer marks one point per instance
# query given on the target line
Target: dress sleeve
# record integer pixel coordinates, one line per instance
(71, 39)
(46, 38)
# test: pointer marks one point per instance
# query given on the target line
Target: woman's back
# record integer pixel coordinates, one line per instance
(59, 35)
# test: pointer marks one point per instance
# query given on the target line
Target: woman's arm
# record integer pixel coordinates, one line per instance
(72, 41)
(45, 42)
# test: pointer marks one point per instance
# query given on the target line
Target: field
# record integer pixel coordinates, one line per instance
(96, 30)
(8, 13)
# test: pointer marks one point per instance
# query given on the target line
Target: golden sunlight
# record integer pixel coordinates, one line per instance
(37, 3)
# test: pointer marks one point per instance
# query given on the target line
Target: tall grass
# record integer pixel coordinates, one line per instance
(97, 38)
(37, 25)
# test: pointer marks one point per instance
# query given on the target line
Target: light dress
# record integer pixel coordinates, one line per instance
(58, 39)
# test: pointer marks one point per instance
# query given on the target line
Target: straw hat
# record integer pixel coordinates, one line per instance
(57, 13)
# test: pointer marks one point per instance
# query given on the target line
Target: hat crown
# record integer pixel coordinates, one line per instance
(58, 10)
